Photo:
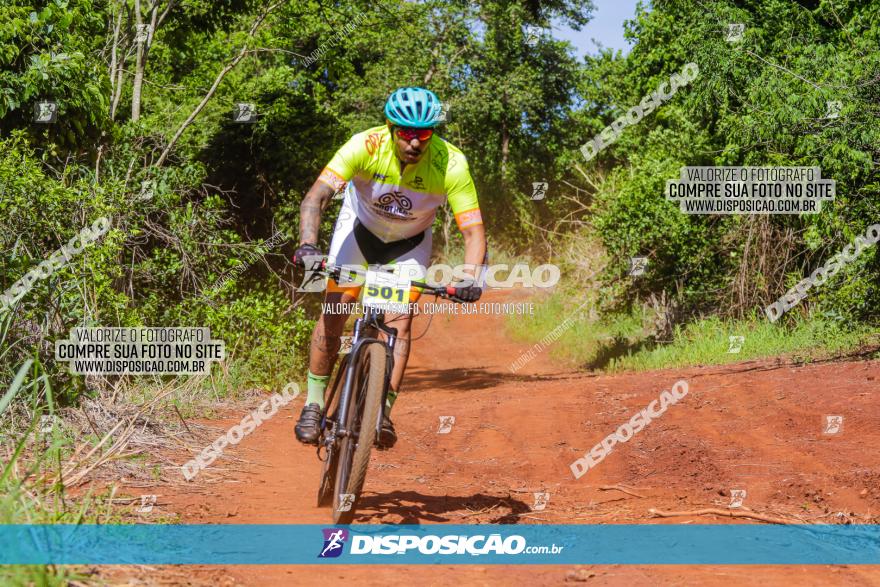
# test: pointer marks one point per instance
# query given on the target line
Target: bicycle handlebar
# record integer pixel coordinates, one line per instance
(443, 291)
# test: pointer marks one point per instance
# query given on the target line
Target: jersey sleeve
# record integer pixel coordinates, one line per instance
(461, 192)
(347, 161)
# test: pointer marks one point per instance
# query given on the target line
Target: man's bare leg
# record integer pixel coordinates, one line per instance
(326, 335)
(403, 323)
(323, 352)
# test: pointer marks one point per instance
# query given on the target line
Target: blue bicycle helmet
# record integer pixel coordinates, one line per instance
(413, 107)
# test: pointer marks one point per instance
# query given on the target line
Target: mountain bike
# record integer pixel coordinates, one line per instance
(352, 418)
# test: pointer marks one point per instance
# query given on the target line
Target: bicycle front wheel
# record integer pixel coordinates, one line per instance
(363, 415)
(328, 472)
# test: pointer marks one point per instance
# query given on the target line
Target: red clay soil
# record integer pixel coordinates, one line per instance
(755, 425)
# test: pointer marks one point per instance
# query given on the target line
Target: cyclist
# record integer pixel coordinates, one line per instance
(395, 177)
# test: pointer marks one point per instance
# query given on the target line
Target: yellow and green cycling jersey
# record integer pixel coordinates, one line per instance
(395, 205)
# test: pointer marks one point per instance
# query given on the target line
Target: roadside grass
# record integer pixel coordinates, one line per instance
(620, 342)
(42, 443)
(32, 453)
(707, 342)
(203, 396)
(25, 504)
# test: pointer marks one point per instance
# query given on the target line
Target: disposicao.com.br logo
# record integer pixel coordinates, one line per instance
(454, 544)
(334, 539)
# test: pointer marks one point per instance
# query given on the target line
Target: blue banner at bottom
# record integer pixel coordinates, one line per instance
(440, 544)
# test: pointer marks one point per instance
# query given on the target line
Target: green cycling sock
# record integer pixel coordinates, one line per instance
(389, 401)
(315, 386)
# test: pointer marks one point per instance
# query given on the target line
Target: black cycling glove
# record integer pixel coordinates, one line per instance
(466, 291)
(305, 250)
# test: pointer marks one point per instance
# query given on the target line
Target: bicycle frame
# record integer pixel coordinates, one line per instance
(373, 320)
(370, 323)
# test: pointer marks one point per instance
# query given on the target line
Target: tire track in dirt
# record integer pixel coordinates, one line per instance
(754, 425)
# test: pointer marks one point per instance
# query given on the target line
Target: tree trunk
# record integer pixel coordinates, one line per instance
(114, 64)
(139, 63)
(119, 80)
(505, 139)
(505, 149)
(143, 48)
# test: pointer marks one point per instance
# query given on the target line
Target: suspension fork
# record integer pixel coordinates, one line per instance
(372, 319)
(361, 326)
(347, 391)
(389, 369)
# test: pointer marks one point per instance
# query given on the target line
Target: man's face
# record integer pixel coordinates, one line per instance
(408, 144)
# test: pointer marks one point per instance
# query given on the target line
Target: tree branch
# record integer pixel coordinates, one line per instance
(165, 13)
(229, 67)
(720, 512)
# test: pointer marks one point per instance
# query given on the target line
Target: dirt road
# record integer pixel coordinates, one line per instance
(753, 426)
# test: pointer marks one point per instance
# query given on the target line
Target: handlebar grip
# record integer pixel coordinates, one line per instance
(450, 290)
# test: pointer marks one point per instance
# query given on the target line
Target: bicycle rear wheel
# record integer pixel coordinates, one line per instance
(363, 414)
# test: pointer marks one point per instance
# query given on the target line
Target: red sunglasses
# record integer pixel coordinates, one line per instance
(408, 134)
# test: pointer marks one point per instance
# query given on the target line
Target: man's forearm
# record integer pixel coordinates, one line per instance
(474, 248)
(310, 212)
(309, 221)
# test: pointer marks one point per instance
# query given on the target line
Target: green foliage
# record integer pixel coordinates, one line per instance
(519, 111)
(259, 326)
(707, 342)
(758, 102)
(47, 53)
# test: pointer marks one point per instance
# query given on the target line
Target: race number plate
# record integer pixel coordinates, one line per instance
(386, 291)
